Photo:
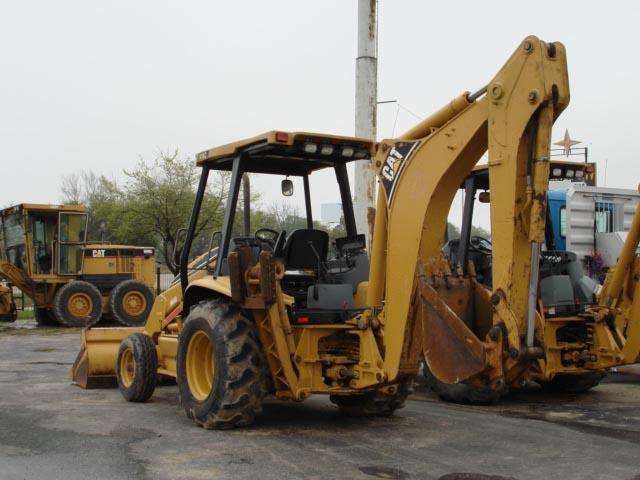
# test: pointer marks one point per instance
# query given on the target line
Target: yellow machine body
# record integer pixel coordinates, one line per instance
(415, 305)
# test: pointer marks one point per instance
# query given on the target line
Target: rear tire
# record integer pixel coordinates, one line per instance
(130, 302)
(78, 304)
(137, 367)
(220, 367)
(44, 317)
(460, 392)
(373, 403)
(572, 383)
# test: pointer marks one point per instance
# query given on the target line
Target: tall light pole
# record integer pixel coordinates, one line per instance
(366, 106)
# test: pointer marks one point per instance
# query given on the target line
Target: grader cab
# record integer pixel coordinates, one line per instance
(273, 314)
(45, 253)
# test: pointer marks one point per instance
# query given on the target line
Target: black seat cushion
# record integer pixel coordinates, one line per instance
(298, 254)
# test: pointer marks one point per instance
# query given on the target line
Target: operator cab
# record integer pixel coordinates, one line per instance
(320, 275)
(564, 288)
(43, 240)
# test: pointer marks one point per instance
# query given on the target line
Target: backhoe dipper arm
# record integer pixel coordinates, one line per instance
(419, 175)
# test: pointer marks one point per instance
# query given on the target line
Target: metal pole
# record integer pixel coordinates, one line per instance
(246, 204)
(467, 217)
(533, 293)
(366, 105)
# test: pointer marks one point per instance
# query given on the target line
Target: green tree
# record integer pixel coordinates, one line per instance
(151, 204)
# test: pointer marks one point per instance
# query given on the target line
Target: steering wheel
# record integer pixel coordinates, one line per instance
(267, 235)
(480, 244)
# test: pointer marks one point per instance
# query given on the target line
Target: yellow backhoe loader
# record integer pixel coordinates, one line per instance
(271, 314)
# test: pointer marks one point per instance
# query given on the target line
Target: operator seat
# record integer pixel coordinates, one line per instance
(298, 254)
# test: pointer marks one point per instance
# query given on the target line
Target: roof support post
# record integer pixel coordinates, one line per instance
(229, 213)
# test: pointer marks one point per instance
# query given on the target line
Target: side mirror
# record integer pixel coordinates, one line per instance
(287, 187)
(177, 247)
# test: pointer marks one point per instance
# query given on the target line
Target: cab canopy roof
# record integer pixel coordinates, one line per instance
(288, 153)
(43, 207)
(558, 170)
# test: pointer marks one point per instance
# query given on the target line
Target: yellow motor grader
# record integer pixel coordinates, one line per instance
(272, 314)
(45, 253)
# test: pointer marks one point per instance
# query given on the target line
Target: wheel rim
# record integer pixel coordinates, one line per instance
(200, 363)
(127, 368)
(134, 303)
(80, 305)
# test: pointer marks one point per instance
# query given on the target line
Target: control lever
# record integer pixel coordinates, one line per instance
(315, 286)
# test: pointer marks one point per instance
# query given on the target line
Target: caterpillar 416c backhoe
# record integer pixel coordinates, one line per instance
(271, 315)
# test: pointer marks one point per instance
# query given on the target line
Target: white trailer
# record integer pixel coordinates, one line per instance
(595, 221)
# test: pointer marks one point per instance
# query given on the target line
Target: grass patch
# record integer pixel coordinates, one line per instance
(25, 314)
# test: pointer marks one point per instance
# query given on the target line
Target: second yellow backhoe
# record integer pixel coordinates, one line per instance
(272, 314)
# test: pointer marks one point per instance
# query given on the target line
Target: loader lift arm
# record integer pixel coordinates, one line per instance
(420, 174)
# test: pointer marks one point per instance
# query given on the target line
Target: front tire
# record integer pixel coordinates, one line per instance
(130, 302)
(137, 367)
(220, 367)
(78, 304)
(373, 403)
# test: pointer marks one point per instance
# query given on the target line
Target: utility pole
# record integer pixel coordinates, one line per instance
(246, 204)
(366, 109)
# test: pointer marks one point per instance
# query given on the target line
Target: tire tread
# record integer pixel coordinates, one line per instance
(146, 375)
(243, 386)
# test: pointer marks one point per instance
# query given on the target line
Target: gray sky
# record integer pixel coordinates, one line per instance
(97, 85)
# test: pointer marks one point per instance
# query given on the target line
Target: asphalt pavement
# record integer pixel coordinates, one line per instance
(50, 429)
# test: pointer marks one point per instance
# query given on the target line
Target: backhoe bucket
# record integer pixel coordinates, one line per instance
(95, 365)
(451, 349)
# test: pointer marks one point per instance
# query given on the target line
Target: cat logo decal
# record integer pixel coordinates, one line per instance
(393, 166)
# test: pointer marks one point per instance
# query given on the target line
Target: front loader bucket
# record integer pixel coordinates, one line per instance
(451, 349)
(95, 365)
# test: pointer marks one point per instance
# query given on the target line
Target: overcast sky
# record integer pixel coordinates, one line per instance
(97, 85)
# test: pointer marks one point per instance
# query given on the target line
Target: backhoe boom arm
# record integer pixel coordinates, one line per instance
(420, 174)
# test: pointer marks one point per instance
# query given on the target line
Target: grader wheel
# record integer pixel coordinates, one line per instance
(130, 302)
(373, 403)
(220, 367)
(137, 367)
(78, 304)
